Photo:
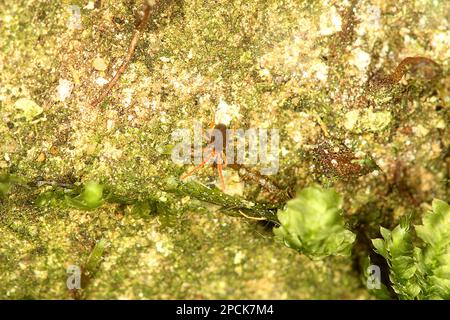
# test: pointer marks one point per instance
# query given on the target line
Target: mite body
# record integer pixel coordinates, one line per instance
(218, 142)
(217, 151)
(221, 144)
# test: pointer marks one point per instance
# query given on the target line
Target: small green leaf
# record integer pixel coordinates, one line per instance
(380, 247)
(95, 258)
(93, 194)
(386, 233)
(90, 198)
(435, 228)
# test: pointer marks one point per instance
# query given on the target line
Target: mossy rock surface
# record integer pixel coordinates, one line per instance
(301, 67)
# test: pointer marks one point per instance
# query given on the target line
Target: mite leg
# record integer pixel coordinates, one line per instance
(222, 181)
(197, 167)
(207, 136)
(213, 121)
(225, 161)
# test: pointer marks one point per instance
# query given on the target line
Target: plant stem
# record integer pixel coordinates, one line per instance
(131, 49)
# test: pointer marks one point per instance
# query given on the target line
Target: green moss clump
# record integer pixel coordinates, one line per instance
(313, 224)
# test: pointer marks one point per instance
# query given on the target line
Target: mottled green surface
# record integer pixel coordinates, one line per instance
(298, 66)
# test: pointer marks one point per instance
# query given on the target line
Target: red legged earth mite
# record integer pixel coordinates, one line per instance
(217, 153)
(217, 144)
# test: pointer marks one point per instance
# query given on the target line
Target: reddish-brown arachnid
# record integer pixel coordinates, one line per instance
(221, 153)
(217, 151)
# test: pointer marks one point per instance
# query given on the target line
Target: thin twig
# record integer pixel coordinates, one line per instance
(131, 49)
